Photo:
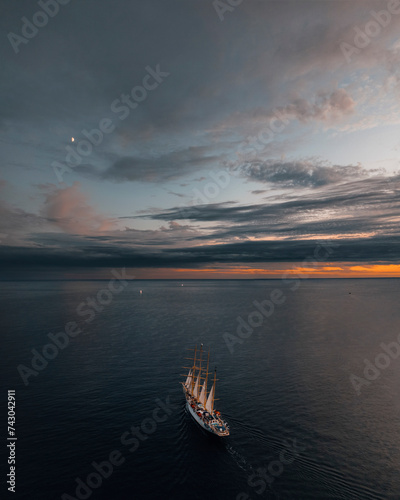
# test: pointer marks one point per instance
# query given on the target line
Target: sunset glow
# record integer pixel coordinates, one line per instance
(319, 271)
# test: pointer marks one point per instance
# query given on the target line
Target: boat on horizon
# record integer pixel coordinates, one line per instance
(199, 404)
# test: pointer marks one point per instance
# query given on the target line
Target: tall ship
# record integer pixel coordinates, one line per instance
(200, 402)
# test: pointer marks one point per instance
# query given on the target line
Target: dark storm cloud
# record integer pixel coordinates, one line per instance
(361, 250)
(370, 249)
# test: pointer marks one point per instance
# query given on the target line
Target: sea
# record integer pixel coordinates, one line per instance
(308, 380)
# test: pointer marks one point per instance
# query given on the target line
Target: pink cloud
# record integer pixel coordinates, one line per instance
(326, 107)
(69, 209)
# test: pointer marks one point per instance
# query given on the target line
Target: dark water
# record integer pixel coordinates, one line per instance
(285, 391)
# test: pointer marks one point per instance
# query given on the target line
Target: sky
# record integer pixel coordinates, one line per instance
(201, 139)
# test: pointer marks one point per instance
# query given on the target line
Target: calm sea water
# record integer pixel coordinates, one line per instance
(299, 430)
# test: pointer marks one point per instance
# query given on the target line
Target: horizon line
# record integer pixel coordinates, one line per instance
(208, 279)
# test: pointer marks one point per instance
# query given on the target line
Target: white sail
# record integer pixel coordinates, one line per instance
(203, 394)
(188, 382)
(196, 387)
(209, 404)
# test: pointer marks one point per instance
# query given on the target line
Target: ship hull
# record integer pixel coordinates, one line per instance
(215, 427)
(198, 420)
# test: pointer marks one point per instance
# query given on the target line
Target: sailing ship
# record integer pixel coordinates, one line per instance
(199, 404)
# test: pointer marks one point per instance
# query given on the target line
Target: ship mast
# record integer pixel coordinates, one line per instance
(194, 370)
(199, 384)
(215, 380)
(208, 362)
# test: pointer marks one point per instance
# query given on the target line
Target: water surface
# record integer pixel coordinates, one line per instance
(287, 383)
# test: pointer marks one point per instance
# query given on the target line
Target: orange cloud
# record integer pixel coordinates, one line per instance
(277, 271)
(380, 269)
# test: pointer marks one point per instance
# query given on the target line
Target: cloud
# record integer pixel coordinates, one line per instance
(269, 59)
(162, 168)
(179, 195)
(299, 173)
(68, 208)
(16, 223)
(360, 217)
(360, 207)
(328, 107)
(247, 252)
